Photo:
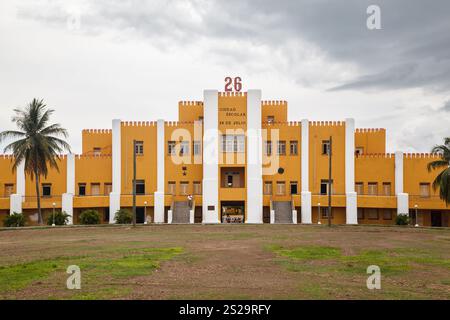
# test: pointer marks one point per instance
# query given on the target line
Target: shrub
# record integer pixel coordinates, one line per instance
(61, 218)
(90, 217)
(14, 220)
(123, 216)
(402, 220)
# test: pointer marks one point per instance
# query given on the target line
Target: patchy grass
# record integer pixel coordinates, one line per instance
(225, 262)
(112, 266)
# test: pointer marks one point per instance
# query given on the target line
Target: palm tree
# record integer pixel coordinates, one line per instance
(35, 143)
(442, 180)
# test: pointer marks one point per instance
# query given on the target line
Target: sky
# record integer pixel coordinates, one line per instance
(94, 61)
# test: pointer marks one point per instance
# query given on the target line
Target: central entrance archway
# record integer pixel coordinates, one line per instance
(232, 211)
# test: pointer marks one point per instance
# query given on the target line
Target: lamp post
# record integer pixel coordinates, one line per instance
(145, 212)
(415, 207)
(54, 204)
(318, 214)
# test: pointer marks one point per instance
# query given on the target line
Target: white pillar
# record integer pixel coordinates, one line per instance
(67, 198)
(114, 196)
(159, 193)
(254, 158)
(351, 197)
(16, 200)
(305, 194)
(15, 203)
(402, 198)
(210, 157)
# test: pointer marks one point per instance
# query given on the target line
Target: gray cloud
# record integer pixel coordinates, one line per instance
(412, 49)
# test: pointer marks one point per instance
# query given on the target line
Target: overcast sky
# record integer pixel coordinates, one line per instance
(93, 61)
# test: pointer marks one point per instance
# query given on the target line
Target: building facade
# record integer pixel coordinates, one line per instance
(233, 158)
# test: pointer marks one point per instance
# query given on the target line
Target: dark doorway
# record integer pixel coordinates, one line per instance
(140, 215)
(233, 211)
(436, 219)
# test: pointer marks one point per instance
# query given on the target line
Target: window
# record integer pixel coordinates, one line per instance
(268, 148)
(281, 188)
(425, 190)
(268, 187)
(324, 212)
(359, 188)
(360, 213)
(197, 187)
(387, 214)
(359, 150)
(46, 190)
(171, 187)
(293, 148)
(184, 187)
(281, 148)
(184, 148)
(9, 189)
(233, 143)
(229, 181)
(171, 148)
(108, 188)
(139, 148)
(372, 189)
(386, 188)
(324, 187)
(140, 186)
(97, 151)
(372, 214)
(325, 146)
(197, 147)
(270, 119)
(95, 189)
(294, 187)
(82, 189)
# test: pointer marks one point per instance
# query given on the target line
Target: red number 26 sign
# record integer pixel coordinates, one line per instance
(233, 84)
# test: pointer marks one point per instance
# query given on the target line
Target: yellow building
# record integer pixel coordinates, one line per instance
(233, 158)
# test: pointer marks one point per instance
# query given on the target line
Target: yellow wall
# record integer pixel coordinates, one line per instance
(372, 140)
(97, 138)
(318, 162)
(145, 164)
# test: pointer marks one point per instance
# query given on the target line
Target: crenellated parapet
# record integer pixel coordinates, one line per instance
(138, 123)
(421, 156)
(375, 156)
(97, 131)
(280, 103)
(327, 123)
(282, 123)
(92, 156)
(369, 130)
(232, 94)
(190, 103)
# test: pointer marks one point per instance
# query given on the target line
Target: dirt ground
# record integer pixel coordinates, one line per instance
(229, 262)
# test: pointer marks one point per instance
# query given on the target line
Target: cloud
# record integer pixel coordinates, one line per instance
(412, 49)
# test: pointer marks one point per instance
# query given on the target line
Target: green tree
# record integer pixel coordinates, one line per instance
(442, 180)
(36, 143)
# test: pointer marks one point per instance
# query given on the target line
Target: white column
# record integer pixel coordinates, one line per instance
(16, 200)
(159, 193)
(254, 158)
(210, 157)
(306, 194)
(402, 198)
(351, 197)
(114, 197)
(67, 198)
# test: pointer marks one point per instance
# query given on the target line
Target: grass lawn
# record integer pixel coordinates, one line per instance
(225, 262)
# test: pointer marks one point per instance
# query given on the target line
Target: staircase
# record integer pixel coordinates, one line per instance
(180, 212)
(283, 211)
